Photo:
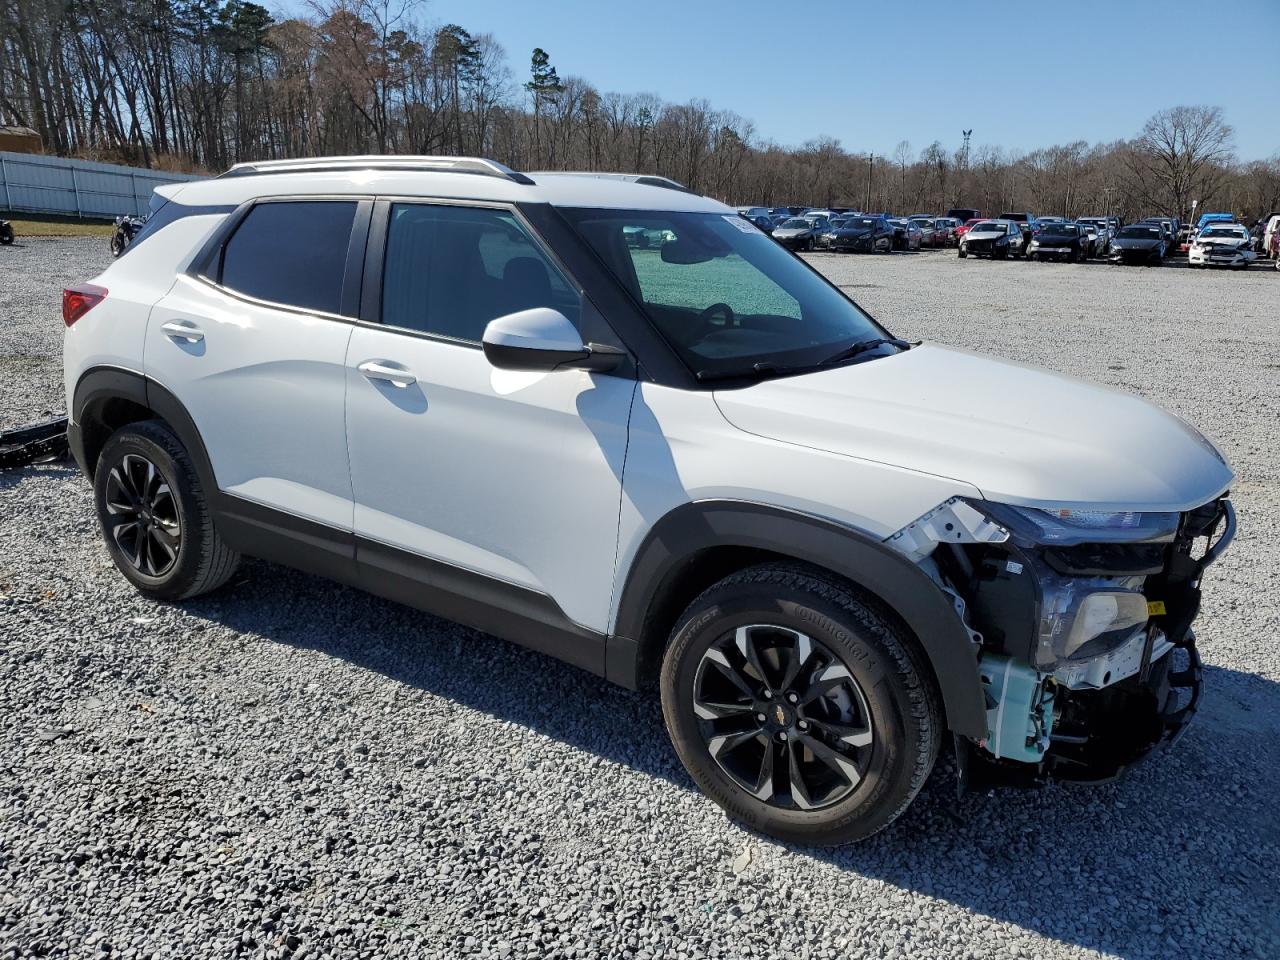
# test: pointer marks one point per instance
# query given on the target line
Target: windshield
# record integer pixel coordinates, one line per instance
(725, 298)
(1238, 234)
(923, 223)
(796, 223)
(1139, 233)
(985, 225)
(1060, 229)
(860, 223)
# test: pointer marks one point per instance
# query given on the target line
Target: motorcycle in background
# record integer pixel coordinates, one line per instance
(126, 229)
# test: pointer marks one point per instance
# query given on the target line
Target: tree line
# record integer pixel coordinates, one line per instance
(202, 84)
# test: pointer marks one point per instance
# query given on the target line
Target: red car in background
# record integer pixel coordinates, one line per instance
(964, 227)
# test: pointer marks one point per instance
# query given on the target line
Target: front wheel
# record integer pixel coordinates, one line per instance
(155, 517)
(798, 706)
(6, 234)
(962, 253)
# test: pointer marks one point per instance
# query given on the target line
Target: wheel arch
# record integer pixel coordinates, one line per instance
(697, 544)
(108, 398)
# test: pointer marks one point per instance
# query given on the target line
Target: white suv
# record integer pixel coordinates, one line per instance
(691, 461)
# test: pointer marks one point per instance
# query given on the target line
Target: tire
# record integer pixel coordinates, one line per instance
(962, 253)
(875, 681)
(6, 235)
(117, 244)
(183, 555)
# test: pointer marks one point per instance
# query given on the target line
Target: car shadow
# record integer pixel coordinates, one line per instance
(1135, 855)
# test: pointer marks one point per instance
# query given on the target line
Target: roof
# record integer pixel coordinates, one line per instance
(452, 178)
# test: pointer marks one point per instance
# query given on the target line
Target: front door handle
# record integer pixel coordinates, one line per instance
(182, 330)
(375, 370)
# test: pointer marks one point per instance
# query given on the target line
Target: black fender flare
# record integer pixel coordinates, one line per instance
(98, 385)
(897, 582)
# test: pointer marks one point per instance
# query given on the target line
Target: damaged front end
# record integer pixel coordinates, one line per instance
(1082, 627)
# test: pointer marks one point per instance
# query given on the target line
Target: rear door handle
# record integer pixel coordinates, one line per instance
(182, 330)
(376, 370)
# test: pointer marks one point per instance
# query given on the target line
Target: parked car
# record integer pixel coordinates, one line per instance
(515, 433)
(998, 239)
(1093, 247)
(1026, 223)
(126, 228)
(1269, 231)
(906, 235)
(1208, 218)
(964, 228)
(1138, 243)
(6, 232)
(861, 234)
(1059, 241)
(1222, 245)
(764, 223)
(799, 233)
(1168, 230)
(929, 235)
(946, 228)
(963, 215)
(1104, 230)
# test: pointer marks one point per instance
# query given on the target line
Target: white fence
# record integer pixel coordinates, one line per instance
(77, 188)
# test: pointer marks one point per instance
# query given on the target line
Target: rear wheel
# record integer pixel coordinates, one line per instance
(798, 706)
(155, 517)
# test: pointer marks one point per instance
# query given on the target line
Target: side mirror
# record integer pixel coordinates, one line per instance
(543, 339)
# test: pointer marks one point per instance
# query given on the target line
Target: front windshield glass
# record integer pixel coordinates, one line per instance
(725, 298)
(1223, 232)
(1060, 229)
(1138, 233)
(795, 223)
(860, 223)
(985, 225)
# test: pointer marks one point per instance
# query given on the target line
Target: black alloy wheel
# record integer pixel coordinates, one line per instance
(142, 515)
(783, 717)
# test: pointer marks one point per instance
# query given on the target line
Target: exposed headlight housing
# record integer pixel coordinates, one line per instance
(1064, 526)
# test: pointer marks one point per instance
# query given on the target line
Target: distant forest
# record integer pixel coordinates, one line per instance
(202, 84)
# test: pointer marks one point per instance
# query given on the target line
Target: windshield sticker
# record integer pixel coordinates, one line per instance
(743, 225)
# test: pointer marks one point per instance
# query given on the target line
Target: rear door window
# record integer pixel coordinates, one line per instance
(291, 252)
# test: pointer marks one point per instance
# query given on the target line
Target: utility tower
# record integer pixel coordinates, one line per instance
(964, 150)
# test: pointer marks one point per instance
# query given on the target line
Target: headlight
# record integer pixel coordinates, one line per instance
(1075, 612)
(1063, 526)
(1035, 244)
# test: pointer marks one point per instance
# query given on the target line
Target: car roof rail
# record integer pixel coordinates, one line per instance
(472, 165)
(645, 179)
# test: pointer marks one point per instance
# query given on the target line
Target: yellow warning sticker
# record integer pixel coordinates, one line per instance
(1155, 608)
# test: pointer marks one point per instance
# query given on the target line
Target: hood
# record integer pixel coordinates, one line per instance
(854, 231)
(1127, 243)
(791, 232)
(1019, 434)
(984, 234)
(1222, 241)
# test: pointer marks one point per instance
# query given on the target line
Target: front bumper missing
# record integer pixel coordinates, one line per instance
(1102, 734)
(37, 443)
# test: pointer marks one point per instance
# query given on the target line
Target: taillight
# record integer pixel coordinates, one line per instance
(79, 300)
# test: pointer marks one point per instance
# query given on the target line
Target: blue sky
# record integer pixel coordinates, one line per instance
(872, 74)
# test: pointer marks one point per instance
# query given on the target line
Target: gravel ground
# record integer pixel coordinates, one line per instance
(293, 769)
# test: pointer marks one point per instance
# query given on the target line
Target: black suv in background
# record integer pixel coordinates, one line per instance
(1026, 223)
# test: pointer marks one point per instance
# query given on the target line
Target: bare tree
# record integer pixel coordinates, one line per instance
(1182, 154)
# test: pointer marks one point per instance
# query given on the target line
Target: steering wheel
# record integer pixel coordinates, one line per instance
(707, 327)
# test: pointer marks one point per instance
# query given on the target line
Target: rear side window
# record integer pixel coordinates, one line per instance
(292, 252)
(450, 270)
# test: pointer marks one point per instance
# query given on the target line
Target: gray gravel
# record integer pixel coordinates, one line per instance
(292, 769)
